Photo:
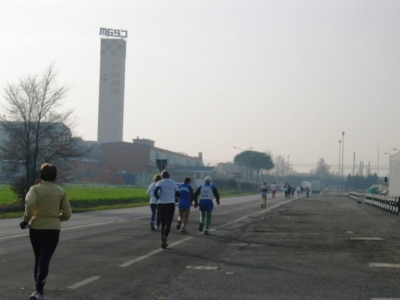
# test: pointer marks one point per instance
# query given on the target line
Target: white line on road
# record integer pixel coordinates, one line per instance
(72, 228)
(83, 282)
(90, 225)
(259, 212)
(367, 239)
(135, 260)
(385, 298)
(208, 268)
(383, 265)
(13, 236)
(140, 258)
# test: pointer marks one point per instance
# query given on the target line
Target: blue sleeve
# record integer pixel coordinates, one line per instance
(191, 192)
(157, 192)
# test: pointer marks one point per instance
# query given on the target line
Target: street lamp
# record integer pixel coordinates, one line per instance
(339, 186)
(396, 149)
(241, 149)
(388, 153)
(341, 180)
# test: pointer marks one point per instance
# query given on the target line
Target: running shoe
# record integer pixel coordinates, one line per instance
(37, 296)
(201, 227)
(152, 226)
(178, 226)
(164, 243)
(183, 230)
(206, 232)
(157, 228)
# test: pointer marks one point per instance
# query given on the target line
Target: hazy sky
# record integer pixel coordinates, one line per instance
(204, 76)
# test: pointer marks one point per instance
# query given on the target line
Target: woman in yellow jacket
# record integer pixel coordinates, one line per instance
(46, 205)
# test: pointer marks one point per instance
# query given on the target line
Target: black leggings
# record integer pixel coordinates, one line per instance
(44, 243)
(166, 213)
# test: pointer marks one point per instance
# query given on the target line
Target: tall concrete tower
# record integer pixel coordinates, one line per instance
(112, 88)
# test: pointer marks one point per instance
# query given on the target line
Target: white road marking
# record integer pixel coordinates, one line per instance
(140, 258)
(13, 236)
(90, 225)
(83, 282)
(259, 212)
(367, 239)
(385, 298)
(72, 228)
(180, 242)
(238, 244)
(208, 268)
(383, 265)
(135, 260)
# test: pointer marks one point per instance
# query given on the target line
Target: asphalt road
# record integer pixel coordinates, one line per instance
(317, 248)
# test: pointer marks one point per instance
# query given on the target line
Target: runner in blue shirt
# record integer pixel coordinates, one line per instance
(185, 201)
(263, 189)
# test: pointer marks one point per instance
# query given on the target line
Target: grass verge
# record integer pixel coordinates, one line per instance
(84, 199)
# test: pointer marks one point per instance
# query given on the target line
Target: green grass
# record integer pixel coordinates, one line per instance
(82, 193)
(95, 198)
(6, 195)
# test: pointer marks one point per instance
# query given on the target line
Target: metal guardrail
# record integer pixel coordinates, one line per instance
(356, 196)
(387, 203)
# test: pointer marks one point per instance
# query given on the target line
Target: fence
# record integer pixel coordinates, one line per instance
(387, 203)
(356, 196)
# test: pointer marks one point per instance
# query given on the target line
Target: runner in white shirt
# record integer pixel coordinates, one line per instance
(273, 189)
(298, 190)
(165, 192)
(153, 203)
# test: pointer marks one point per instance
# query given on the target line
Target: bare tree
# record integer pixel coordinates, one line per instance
(34, 131)
(282, 167)
(322, 169)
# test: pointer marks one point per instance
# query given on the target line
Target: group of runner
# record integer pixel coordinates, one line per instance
(289, 191)
(163, 191)
(47, 205)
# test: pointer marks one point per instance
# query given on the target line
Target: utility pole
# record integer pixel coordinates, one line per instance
(339, 170)
(342, 184)
(378, 163)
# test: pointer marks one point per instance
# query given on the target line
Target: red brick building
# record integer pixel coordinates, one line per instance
(140, 157)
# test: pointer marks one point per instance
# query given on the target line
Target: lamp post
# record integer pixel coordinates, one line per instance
(339, 186)
(244, 149)
(396, 149)
(342, 185)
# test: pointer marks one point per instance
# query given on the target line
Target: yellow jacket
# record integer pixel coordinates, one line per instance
(46, 205)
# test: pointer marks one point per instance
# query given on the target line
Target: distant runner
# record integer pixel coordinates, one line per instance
(273, 189)
(298, 190)
(153, 203)
(308, 192)
(263, 189)
(185, 201)
(206, 205)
